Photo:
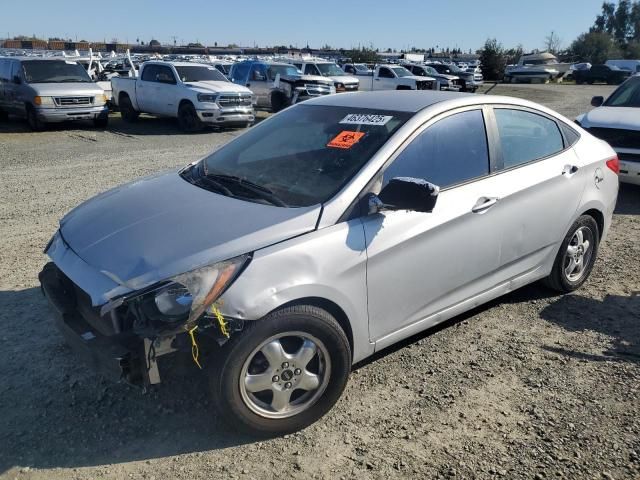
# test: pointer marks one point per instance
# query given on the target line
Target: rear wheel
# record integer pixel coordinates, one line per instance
(576, 257)
(188, 118)
(127, 112)
(283, 372)
(34, 122)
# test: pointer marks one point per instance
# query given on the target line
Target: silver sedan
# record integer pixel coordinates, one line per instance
(328, 232)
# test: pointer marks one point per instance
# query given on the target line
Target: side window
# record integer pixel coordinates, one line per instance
(258, 73)
(239, 73)
(349, 69)
(310, 69)
(165, 74)
(298, 66)
(526, 136)
(4, 70)
(385, 73)
(14, 70)
(149, 73)
(451, 151)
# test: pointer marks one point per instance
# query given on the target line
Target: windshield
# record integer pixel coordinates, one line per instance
(431, 70)
(627, 95)
(361, 67)
(197, 73)
(47, 71)
(307, 153)
(330, 69)
(402, 72)
(454, 69)
(283, 70)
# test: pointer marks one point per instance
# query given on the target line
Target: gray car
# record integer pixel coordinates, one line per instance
(50, 90)
(328, 232)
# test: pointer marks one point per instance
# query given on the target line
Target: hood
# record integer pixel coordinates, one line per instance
(307, 78)
(626, 118)
(346, 79)
(86, 89)
(157, 227)
(418, 79)
(216, 86)
(448, 77)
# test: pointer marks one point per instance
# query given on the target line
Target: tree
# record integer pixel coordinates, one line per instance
(595, 47)
(363, 55)
(513, 55)
(621, 24)
(493, 59)
(605, 22)
(552, 43)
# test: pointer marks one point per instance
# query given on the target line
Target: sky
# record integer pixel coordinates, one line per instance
(396, 24)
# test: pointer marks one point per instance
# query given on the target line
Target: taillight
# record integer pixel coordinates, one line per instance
(614, 165)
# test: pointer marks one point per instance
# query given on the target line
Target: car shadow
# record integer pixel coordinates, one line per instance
(617, 316)
(628, 199)
(59, 413)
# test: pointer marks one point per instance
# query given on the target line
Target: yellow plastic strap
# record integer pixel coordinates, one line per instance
(195, 352)
(221, 322)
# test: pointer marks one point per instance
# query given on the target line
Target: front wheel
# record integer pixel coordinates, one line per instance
(576, 257)
(283, 372)
(35, 123)
(188, 118)
(101, 122)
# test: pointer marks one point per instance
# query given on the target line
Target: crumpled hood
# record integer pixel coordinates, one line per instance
(87, 89)
(307, 78)
(626, 118)
(448, 77)
(346, 79)
(160, 226)
(213, 86)
(418, 79)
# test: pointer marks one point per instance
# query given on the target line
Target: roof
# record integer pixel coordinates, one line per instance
(398, 100)
(48, 59)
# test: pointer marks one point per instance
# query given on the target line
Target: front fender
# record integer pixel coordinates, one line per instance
(328, 264)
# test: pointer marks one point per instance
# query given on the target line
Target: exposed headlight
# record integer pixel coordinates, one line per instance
(207, 97)
(194, 292)
(100, 99)
(339, 86)
(44, 101)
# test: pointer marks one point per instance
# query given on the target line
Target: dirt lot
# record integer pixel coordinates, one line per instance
(531, 386)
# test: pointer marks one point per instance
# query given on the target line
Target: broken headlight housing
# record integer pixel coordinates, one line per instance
(186, 297)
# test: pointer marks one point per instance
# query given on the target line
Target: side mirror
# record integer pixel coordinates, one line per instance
(17, 80)
(597, 101)
(405, 193)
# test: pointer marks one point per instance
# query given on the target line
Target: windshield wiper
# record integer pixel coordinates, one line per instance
(204, 181)
(260, 190)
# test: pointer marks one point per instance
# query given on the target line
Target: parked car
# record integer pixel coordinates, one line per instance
(196, 94)
(395, 77)
(470, 81)
(278, 85)
(45, 90)
(617, 122)
(601, 73)
(328, 232)
(358, 69)
(444, 82)
(341, 80)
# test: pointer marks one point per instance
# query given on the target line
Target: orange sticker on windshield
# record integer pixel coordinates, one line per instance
(346, 139)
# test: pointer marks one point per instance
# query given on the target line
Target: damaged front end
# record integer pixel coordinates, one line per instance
(124, 337)
(298, 89)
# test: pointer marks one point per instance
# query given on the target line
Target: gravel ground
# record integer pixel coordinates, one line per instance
(530, 386)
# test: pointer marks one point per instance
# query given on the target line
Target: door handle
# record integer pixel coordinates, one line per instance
(569, 170)
(484, 203)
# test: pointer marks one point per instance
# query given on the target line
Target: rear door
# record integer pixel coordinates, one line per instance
(260, 85)
(539, 185)
(146, 88)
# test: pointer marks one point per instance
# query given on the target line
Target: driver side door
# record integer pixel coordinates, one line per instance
(259, 85)
(420, 266)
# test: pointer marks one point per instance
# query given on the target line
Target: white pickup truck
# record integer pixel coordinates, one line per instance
(395, 77)
(195, 94)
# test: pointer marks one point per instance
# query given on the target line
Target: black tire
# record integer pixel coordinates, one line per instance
(188, 118)
(278, 102)
(127, 112)
(101, 122)
(34, 122)
(228, 367)
(558, 278)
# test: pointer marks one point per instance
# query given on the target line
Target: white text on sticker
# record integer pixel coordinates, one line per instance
(366, 119)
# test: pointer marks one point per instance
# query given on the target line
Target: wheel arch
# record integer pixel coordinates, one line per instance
(329, 306)
(598, 216)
